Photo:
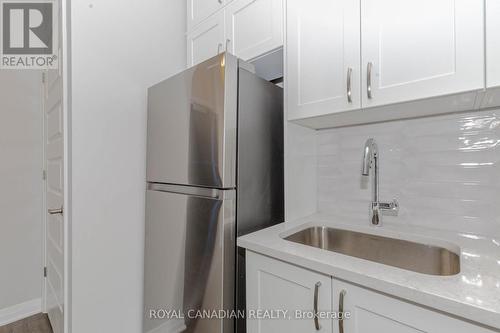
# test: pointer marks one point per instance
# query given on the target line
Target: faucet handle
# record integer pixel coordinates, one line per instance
(390, 206)
(376, 209)
(394, 205)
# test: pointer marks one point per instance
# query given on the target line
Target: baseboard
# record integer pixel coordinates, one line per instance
(20, 311)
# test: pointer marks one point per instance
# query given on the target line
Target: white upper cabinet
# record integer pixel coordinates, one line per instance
(245, 28)
(206, 40)
(198, 10)
(492, 96)
(492, 43)
(418, 49)
(253, 27)
(427, 52)
(275, 285)
(322, 57)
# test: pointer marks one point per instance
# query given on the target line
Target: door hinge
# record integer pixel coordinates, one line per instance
(44, 175)
(45, 272)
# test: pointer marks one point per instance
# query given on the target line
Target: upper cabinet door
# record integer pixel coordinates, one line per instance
(421, 48)
(492, 43)
(322, 66)
(492, 96)
(254, 27)
(198, 10)
(206, 41)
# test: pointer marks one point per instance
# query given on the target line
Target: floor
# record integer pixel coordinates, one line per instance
(38, 323)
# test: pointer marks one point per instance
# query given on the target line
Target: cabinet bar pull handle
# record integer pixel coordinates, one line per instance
(369, 80)
(219, 46)
(316, 319)
(227, 44)
(349, 90)
(341, 310)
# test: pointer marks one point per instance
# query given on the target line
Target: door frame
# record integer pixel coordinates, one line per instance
(64, 66)
(44, 194)
(64, 61)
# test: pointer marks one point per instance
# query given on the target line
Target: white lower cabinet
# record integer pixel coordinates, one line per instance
(273, 285)
(371, 312)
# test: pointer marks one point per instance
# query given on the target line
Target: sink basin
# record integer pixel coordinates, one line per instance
(421, 258)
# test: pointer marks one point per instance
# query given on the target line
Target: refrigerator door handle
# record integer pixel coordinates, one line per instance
(219, 194)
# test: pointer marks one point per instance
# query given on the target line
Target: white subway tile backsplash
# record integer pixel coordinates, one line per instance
(444, 171)
(300, 171)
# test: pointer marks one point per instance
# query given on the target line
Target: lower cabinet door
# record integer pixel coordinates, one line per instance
(371, 312)
(281, 298)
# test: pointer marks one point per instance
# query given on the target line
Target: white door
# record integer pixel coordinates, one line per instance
(322, 57)
(253, 27)
(207, 40)
(373, 312)
(54, 192)
(420, 48)
(275, 285)
(198, 10)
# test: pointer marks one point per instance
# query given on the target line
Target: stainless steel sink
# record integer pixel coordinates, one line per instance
(404, 254)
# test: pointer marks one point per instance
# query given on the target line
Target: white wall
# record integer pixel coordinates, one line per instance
(444, 170)
(20, 187)
(118, 50)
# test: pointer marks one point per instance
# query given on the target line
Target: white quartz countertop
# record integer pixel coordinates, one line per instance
(473, 294)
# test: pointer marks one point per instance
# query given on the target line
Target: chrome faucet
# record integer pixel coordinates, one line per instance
(370, 161)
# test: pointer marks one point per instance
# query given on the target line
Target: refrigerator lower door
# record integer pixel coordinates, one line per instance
(189, 259)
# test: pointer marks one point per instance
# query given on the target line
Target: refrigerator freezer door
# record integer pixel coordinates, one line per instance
(192, 126)
(189, 258)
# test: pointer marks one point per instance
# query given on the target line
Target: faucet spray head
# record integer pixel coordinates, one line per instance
(368, 152)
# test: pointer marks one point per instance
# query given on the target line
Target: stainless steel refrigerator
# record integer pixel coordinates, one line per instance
(214, 172)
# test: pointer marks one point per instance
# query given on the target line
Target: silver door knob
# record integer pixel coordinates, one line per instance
(56, 211)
